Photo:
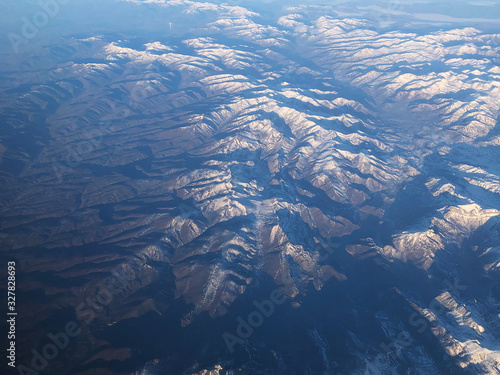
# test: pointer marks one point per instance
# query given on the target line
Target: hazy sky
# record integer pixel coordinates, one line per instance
(95, 16)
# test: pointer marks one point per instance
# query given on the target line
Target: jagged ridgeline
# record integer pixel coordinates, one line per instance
(156, 188)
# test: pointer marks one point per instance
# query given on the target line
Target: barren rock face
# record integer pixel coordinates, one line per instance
(157, 188)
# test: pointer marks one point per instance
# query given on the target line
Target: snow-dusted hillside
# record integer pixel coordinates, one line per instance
(309, 153)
